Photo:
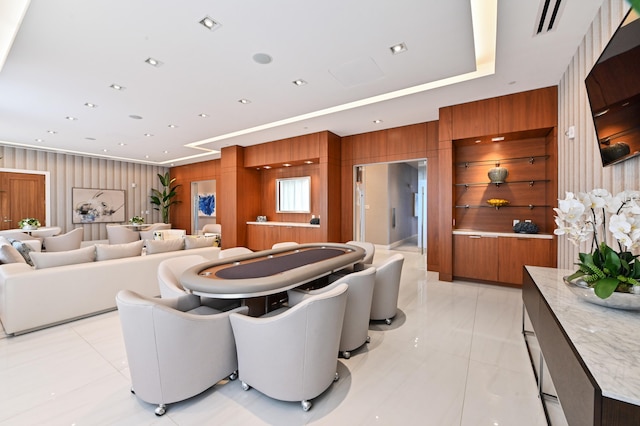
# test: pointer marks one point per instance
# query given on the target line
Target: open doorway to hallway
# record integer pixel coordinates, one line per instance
(390, 205)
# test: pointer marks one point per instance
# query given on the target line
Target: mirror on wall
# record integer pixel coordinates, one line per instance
(293, 195)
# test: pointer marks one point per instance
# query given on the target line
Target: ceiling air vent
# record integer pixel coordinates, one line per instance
(548, 15)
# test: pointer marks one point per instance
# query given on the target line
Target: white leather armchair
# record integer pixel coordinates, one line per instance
(147, 233)
(355, 327)
(292, 356)
(176, 348)
(234, 251)
(212, 228)
(385, 292)
(284, 244)
(118, 234)
(69, 241)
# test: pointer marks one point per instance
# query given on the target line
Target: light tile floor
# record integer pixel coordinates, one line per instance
(454, 355)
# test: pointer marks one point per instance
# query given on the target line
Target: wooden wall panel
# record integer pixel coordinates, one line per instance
(475, 118)
(207, 170)
(535, 109)
(268, 192)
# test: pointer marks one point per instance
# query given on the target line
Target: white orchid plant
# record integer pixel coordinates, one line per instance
(583, 217)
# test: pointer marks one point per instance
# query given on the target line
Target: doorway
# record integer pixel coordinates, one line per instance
(23, 194)
(390, 207)
(203, 204)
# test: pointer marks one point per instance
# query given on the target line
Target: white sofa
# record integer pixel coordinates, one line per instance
(36, 298)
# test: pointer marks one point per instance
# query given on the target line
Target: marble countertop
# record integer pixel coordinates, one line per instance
(607, 339)
(501, 234)
(297, 224)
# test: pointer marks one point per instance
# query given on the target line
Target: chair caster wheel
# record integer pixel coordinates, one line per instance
(306, 405)
(337, 377)
(346, 354)
(368, 339)
(233, 375)
(245, 387)
(388, 321)
(160, 410)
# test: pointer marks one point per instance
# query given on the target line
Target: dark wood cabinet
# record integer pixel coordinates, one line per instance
(475, 257)
(263, 237)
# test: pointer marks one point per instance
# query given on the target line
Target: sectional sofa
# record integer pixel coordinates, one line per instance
(65, 286)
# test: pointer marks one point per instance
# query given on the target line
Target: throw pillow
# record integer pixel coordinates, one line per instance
(162, 246)
(193, 242)
(23, 249)
(117, 251)
(61, 258)
(8, 254)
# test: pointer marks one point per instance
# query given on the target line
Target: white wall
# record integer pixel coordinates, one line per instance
(579, 164)
(69, 171)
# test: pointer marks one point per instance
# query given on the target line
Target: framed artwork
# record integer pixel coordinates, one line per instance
(207, 205)
(97, 205)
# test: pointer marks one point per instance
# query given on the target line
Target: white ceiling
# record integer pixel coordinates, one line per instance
(68, 52)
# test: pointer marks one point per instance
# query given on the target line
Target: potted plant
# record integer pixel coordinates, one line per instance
(136, 220)
(164, 200)
(29, 223)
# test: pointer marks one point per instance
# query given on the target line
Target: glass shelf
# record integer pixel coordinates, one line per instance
(528, 206)
(530, 182)
(530, 160)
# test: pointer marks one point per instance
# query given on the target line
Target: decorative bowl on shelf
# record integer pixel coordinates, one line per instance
(497, 202)
(617, 300)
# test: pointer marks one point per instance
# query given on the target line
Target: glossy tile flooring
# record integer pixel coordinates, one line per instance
(454, 355)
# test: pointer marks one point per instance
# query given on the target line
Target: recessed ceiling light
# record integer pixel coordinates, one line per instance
(104, 150)
(398, 48)
(117, 87)
(287, 165)
(209, 23)
(377, 121)
(308, 162)
(244, 101)
(203, 115)
(153, 62)
(70, 118)
(146, 156)
(135, 117)
(53, 132)
(148, 134)
(262, 58)
(165, 151)
(39, 140)
(267, 167)
(172, 126)
(478, 141)
(498, 139)
(122, 144)
(90, 105)
(299, 82)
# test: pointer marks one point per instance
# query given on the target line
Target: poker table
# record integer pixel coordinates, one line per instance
(267, 272)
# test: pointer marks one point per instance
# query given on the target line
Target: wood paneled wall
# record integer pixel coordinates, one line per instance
(67, 171)
(579, 164)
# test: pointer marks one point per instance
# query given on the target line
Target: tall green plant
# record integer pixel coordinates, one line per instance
(163, 200)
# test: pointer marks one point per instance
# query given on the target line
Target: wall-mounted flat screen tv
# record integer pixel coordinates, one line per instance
(613, 87)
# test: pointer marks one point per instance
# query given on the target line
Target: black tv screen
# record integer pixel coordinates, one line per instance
(613, 87)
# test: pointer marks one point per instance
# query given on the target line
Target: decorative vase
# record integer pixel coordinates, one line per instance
(498, 174)
(617, 300)
(29, 227)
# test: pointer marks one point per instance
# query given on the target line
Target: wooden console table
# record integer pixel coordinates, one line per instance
(591, 352)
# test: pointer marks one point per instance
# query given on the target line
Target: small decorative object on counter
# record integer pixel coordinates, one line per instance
(498, 174)
(29, 223)
(261, 219)
(525, 228)
(136, 220)
(497, 202)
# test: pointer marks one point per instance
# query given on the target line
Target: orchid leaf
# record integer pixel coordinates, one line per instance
(605, 287)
